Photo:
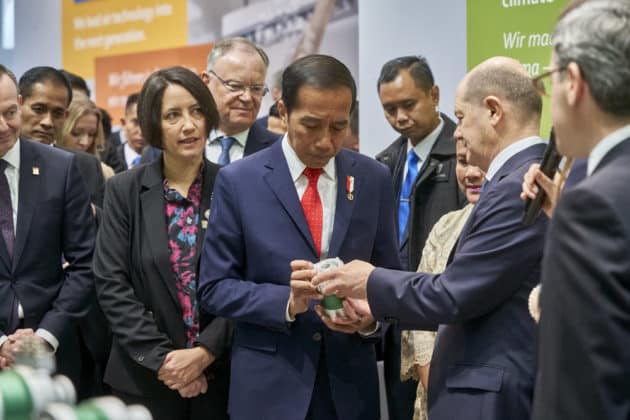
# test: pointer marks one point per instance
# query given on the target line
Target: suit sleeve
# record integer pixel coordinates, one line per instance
(584, 296)
(77, 242)
(131, 324)
(223, 290)
(495, 259)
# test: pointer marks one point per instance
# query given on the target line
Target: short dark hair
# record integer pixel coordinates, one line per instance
(416, 65)
(354, 120)
(273, 110)
(76, 82)
(9, 73)
(106, 121)
(318, 71)
(132, 99)
(152, 93)
(43, 74)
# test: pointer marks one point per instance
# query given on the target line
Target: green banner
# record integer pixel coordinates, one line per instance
(514, 28)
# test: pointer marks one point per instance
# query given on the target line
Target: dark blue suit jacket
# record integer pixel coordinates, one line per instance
(256, 228)
(583, 353)
(483, 363)
(54, 220)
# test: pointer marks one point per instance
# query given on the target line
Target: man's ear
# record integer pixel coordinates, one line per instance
(205, 77)
(20, 100)
(575, 84)
(282, 110)
(435, 95)
(494, 108)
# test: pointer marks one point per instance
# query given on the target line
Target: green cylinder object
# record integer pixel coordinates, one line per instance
(90, 411)
(17, 403)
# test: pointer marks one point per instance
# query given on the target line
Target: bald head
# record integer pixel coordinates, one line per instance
(506, 79)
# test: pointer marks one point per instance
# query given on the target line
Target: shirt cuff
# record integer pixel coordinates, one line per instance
(287, 315)
(48, 337)
(3, 339)
(372, 331)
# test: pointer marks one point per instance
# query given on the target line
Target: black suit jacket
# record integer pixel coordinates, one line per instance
(136, 285)
(435, 191)
(584, 338)
(92, 174)
(258, 138)
(54, 221)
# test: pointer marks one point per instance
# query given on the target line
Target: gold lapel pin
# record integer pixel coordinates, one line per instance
(350, 187)
(35, 170)
(206, 215)
(204, 224)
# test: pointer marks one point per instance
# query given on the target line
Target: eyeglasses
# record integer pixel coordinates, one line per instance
(239, 88)
(542, 83)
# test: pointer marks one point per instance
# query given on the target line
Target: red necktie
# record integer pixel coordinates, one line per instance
(312, 206)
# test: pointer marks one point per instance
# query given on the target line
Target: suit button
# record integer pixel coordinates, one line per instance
(140, 358)
(317, 337)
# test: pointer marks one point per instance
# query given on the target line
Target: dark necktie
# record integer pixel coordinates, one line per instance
(312, 206)
(226, 145)
(6, 210)
(405, 192)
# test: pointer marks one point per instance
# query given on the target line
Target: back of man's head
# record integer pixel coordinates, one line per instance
(416, 65)
(43, 74)
(594, 35)
(317, 71)
(506, 79)
(77, 83)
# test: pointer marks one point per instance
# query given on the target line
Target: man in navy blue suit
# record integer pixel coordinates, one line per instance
(584, 362)
(45, 215)
(273, 215)
(483, 363)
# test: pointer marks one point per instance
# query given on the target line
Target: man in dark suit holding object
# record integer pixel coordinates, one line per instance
(584, 363)
(317, 200)
(483, 363)
(45, 215)
(422, 164)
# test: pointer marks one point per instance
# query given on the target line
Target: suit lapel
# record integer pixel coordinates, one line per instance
(152, 208)
(281, 184)
(30, 180)
(256, 140)
(344, 206)
(204, 210)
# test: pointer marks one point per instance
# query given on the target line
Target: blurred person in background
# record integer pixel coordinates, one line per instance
(82, 130)
(167, 354)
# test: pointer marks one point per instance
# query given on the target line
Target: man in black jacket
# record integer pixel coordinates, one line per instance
(422, 164)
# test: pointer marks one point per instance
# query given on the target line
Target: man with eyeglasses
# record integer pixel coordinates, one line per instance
(235, 75)
(584, 337)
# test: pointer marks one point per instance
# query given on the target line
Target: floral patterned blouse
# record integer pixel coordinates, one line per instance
(182, 223)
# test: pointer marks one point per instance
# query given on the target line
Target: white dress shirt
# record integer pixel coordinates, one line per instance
(12, 173)
(213, 145)
(604, 146)
(505, 154)
(130, 155)
(423, 148)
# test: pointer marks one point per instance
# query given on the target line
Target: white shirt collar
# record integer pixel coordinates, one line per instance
(296, 166)
(12, 156)
(605, 146)
(424, 146)
(505, 154)
(241, 138)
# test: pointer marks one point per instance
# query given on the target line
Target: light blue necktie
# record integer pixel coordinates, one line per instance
(405, 192)
(135, 161)
(226, 144)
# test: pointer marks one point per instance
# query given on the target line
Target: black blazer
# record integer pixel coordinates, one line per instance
(258, 138)
(136, 287)
(584, 335)
(435, 191)
(54, 221)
